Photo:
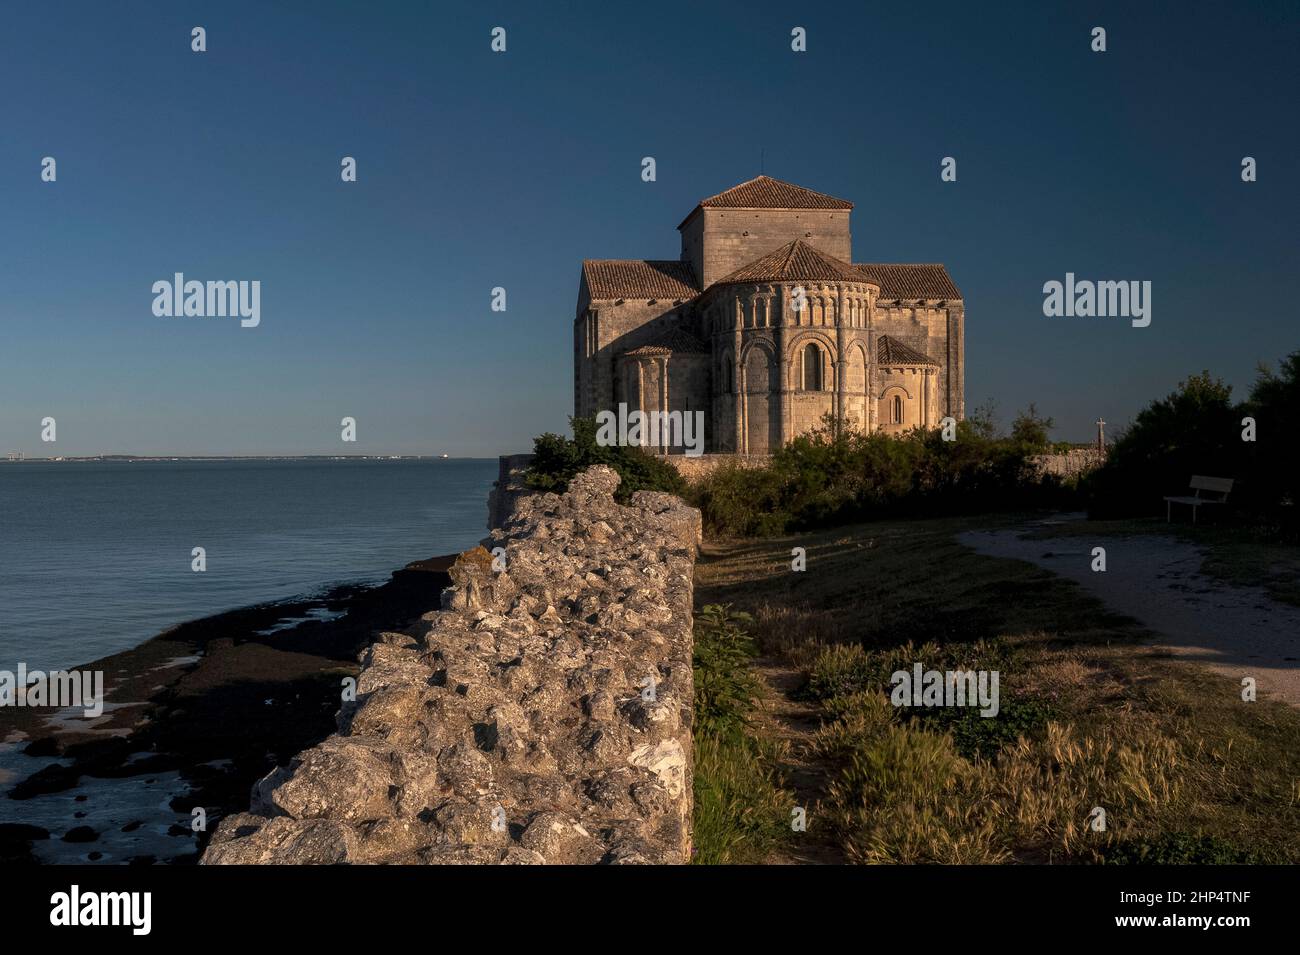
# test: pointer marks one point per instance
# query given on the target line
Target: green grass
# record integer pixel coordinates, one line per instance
(741, 810)
(1091, 714)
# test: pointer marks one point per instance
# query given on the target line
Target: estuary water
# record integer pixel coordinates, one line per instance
(96, 557)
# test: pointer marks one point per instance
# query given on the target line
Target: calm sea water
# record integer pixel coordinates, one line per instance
(95, 556)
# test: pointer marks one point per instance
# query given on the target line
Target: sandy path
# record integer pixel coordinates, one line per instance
(1237, 631)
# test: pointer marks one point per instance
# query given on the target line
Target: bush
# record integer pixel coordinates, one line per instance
(824, 478)
(1179, 848)
(1193, 430)
(724, 685)
(974, 735)
(556, 459)
(1273, 485)
(1197, 429)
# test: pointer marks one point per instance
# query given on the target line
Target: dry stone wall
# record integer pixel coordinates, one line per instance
(543, 715)
(1069, 464)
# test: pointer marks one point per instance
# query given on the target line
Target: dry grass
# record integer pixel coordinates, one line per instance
(1184, 770)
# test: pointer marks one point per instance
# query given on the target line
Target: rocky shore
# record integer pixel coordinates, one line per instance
(542, 715)
(193, 718)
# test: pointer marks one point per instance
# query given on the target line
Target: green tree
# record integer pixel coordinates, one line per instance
(1193, 430)
(1031, 430)
(556, 459)
(1274, 403)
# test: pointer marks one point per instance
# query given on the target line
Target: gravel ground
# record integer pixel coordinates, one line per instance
(1237, 631)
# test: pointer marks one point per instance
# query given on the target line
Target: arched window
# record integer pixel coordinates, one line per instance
(898, 409)
(812, 368)
(726, 374)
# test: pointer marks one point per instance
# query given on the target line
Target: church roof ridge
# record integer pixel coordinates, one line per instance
(766, 192)
(793, 262)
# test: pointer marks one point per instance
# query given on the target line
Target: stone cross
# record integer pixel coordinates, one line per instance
(1101, 435)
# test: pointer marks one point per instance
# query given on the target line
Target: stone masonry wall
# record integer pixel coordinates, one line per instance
(1069, 464)
(701, 466)
(542, 716)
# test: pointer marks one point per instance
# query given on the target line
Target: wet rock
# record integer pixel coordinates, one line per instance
(45, 746)
(51, 779)
(80, 834)
(21, 832)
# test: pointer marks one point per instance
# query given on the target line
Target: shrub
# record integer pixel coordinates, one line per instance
(1030, 430)
(1179, 848)
(1273, 485)
(724, 684)
(1194, 430)
(824, 478)
(556, 459)
(1197, 429)
(974, 735)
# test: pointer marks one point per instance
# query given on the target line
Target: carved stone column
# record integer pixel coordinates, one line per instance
(871, 422)
(841, 361)
(663, 404)
(737, 382)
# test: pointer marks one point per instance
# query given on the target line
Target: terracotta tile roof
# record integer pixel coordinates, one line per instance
(672, 341)
(639, 278)
(764, 192)
(900, 280)
(795, 261)
(890, 351)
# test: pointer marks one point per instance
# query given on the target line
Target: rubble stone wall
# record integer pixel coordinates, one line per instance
(697, 468)
(543, 715)
(1069, 464)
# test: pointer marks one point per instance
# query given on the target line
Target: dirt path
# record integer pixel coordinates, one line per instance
(1237, 631)
(787, 720)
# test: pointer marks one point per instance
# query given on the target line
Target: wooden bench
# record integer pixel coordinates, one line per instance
(1211, 485)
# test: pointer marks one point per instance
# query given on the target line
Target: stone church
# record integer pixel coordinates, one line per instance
(766, 324)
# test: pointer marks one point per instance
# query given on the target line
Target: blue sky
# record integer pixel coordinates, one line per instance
(479, 170)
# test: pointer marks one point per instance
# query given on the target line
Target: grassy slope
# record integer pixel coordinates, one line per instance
(1091, 717)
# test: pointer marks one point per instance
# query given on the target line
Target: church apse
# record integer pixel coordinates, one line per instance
(766, 326)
